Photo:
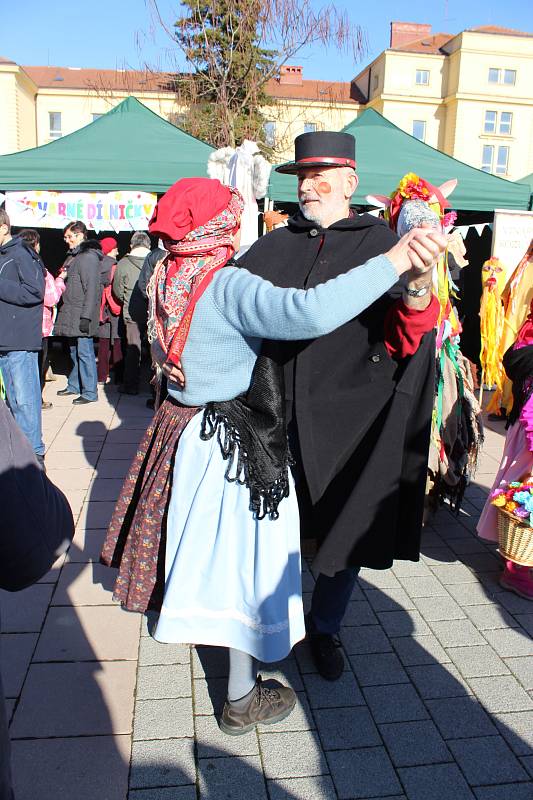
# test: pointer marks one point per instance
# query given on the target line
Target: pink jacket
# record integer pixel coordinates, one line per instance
(54, 288)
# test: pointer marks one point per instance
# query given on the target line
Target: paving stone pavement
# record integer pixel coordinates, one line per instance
(435, 703)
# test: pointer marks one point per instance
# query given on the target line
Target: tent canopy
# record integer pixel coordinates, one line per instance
(529, 180)
(385, 154)
(130, 147)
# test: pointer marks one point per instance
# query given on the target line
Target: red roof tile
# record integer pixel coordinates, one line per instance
(323, 91)
(138, 81)
(432, 44)
(498, 30)
(100, 79)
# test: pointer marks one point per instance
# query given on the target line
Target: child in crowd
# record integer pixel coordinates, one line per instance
(517, 459)
(109, 345)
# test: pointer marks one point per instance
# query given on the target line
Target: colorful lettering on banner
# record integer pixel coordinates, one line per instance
(100, 211)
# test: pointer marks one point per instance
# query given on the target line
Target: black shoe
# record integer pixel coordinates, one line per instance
(150, 403)
(326, 654)
(81, 401)
(64, 392)
(125, 390)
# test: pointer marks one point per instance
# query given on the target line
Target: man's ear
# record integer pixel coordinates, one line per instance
(352, 182)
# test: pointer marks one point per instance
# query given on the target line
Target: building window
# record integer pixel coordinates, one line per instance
(506, 122)
(376, 82)
(488, 157)
(54, 119)
(422, 77)
(419, 129)
(509, 77)
(490, 122)
(502, 161)
(97, 116)
(310, 127)
(270, 133)
(506, 76)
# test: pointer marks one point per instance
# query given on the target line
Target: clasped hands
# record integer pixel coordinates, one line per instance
(416, 253)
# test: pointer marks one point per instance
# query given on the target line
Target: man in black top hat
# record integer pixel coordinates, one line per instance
(359, 421)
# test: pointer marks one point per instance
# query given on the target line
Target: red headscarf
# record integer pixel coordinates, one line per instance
(188, 204)
(196, 219)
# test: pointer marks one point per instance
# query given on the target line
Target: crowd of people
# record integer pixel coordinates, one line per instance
(300, 384)
(94, 297)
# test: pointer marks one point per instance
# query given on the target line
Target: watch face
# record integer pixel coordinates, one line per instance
(417, 292)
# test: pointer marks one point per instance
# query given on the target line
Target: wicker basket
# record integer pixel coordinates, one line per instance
(515, 538)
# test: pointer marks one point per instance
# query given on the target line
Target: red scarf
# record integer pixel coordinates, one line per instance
(203, 215)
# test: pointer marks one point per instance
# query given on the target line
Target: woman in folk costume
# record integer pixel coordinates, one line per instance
(209, 505)
(517, 458)
(456, 428)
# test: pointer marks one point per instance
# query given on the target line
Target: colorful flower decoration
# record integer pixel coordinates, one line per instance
(516, 498)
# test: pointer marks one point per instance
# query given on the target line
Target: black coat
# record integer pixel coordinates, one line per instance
(108, 328)
(362, 420)
(82, 297)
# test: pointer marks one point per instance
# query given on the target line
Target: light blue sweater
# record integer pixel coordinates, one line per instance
(239, 309)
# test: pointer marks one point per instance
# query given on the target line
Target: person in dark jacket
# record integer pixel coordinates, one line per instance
(22, 286)
(359, 420)
(36, 527)
(78, 316)
(147, 270)
(126, 291)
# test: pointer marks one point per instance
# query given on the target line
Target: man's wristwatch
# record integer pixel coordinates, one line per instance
(417, 292)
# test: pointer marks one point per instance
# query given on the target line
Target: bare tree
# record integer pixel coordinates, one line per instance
(233, 48)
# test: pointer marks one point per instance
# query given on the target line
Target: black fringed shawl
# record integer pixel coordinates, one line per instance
(252, 433)
(518, 365)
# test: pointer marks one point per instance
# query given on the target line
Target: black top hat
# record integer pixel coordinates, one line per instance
(321, 149)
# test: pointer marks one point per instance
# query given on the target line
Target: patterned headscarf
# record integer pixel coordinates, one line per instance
(206, 215)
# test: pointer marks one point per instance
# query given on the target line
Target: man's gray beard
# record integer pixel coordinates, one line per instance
(310, 215)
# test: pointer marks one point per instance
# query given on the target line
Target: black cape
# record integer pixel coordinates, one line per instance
(360, 421)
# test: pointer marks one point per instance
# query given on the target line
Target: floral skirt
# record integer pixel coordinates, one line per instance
(136, 537)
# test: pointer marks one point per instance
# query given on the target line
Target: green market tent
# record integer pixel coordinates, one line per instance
(529, 180)
(130, 147)
(385, 154)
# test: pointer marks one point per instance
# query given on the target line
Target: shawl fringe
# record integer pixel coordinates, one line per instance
(251, 431)
(243, 467)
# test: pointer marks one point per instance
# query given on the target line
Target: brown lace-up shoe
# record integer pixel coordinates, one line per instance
(266, 706)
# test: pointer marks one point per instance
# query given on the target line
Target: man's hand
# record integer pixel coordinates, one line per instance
(85, 326)
(418, 276)
(174, 374)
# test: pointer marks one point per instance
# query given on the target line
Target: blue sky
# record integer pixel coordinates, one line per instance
(120, 33)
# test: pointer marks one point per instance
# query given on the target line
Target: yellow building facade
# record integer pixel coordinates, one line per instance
(469, 95)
